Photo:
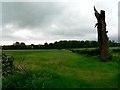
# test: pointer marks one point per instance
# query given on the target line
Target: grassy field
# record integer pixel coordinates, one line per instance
(61, 69)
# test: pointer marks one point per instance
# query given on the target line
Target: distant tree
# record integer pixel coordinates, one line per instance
(87, 44)
(16, 44)
(46, 45)
(22, 45)
(39, 46)
(51, 46)
(58, 45)
(82, 44)
(94, 44)
(32, 46)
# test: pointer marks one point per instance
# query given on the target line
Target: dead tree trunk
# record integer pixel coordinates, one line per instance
(102, 35)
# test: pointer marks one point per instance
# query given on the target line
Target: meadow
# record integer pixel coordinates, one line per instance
(61, 68)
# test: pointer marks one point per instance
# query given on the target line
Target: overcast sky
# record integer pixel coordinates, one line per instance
(49, 21)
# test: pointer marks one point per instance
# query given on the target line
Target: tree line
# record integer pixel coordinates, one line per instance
(58, 45)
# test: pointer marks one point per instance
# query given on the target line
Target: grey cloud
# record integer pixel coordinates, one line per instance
(30, 14)
(41, 16)
(7, 35)
(49, 20)
(115, 38)
(73, 32)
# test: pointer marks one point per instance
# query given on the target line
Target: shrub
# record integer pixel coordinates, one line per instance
(7, 64)
(93, 52)
(116, 50)
(87, 52)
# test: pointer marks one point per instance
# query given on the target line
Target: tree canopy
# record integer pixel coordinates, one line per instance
(58, 45)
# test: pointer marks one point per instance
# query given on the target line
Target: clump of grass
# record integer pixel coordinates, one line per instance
(22, 77)
(29, 79)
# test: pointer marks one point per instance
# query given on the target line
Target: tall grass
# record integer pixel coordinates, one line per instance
(61, 69)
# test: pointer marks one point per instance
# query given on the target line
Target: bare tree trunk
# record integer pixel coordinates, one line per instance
(102, 35)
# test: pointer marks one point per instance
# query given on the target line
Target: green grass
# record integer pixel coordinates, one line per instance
(61, 69)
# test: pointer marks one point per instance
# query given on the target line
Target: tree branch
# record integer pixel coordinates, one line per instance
(96, 13)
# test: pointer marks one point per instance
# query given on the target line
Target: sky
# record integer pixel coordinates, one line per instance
(40, 21)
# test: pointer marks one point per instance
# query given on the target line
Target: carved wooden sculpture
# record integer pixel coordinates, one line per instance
(102, 35)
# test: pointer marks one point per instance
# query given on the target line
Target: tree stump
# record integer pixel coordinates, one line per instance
(102, 35)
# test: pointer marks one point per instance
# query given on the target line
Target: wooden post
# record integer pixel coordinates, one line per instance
(102, 35)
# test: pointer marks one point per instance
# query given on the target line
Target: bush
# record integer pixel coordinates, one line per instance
(87, 52)
(116, 50)
(93, 52)
(7, 64)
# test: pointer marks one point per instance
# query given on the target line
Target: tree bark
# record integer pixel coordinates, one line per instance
(102, 35)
